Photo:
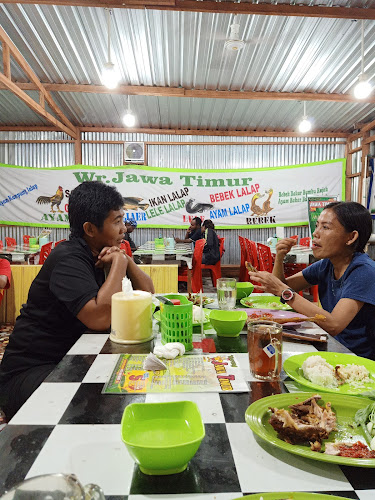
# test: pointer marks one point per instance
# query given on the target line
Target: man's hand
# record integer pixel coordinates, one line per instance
(107, 256)
(178, 240)
(284, 246)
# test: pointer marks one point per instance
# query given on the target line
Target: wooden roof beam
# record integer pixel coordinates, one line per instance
(44, 94)
(195, 93)
(35, 106)
(228, 7)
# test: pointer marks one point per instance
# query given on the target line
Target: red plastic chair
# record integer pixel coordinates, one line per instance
(125, 245)
(215, 269)
(60, 241)
(252, 257)
(295, 237)
(196, 272)
(244, 276)
(26, 238)
(305, 242)
(264, 257)
(1, 244)
(44, 252)
(10, 242)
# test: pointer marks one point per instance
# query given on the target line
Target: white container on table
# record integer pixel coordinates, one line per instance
(131, 317)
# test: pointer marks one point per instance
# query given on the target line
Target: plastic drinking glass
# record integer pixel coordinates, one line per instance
(54, 487)
(226, 293)
(264, 345)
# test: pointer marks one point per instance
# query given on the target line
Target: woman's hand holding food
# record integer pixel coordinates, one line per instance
(269, 283)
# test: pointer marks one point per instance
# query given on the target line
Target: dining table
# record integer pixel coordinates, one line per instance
(180, 255)
(18, 253)
(69, 425)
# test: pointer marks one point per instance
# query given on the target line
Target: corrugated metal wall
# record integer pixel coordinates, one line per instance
(178, 156)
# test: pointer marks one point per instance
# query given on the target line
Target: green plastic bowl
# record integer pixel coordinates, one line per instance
(162, 437)
(228, 323)
(244, 289)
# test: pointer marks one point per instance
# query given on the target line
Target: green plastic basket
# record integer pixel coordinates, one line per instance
(176, 322)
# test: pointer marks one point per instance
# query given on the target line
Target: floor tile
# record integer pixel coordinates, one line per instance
(366, 495)
(89, 343)
(95, 454)
(209, 403)
(47, 404)
(20, 444)
(289, 472)
(210, 470)
(187, 496)
(361, 478)
(101, 369)
(71, 369)
(90, 406)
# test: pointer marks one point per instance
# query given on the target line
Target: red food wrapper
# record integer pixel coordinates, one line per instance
(176, 302)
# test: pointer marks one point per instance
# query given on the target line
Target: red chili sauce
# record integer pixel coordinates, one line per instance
(357, 450)
(265, 315)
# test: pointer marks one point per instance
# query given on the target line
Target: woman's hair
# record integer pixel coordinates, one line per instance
(198, 221)
(208, 224)
(353, 217)
(91, 202)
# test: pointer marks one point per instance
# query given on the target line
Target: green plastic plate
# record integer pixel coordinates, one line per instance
(293, 367)
(258, 414)
(207, 313)
(293, 495)
(266, 302)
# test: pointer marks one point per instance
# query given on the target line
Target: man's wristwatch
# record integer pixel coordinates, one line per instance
(287, 295)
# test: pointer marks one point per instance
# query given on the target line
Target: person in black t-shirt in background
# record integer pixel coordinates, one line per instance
(130, 225)
(69, 295)
(193, 233)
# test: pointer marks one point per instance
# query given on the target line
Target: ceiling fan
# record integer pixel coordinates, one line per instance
(234, 43)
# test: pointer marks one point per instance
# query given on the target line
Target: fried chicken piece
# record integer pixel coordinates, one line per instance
(306, 422)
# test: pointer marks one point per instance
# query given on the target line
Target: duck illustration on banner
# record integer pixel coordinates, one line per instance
(266, 207)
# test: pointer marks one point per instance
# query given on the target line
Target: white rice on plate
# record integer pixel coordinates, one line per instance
(319, 372)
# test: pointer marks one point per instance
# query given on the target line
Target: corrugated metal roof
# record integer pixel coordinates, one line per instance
(162, 48)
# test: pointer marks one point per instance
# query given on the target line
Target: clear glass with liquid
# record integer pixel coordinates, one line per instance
(226, 293)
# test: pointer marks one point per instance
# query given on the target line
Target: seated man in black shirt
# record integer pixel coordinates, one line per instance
(193, 233)
(69, 295)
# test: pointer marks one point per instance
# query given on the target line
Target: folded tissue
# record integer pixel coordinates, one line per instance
(153, 363)
(170, 350)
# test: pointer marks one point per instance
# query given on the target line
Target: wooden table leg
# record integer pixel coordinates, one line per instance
(189, 280)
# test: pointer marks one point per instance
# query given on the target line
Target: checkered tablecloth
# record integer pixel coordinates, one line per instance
(69, 426)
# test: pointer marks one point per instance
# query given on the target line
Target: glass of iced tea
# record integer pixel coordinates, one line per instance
(264, 345)
(226, 293)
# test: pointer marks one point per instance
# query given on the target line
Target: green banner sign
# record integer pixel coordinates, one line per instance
(316, 205)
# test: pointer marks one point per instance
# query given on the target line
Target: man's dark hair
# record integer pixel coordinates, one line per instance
(198, 221)
(91, 202)
(353, 217)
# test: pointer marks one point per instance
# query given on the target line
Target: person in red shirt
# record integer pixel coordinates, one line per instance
(5, 274)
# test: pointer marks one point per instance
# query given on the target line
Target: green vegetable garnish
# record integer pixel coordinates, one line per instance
(364, 415)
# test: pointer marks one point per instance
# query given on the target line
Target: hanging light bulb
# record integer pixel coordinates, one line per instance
(110, 76)
(363, 87)
(305, 124)
(129, 117)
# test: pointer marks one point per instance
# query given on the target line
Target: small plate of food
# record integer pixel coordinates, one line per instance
(196, 299)
(266, 302)
(326, 427)
(287, 318)
(332, 372)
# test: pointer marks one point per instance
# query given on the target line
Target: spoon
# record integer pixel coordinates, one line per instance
(165, 300)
